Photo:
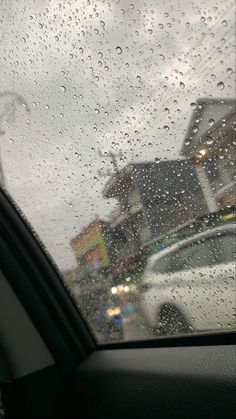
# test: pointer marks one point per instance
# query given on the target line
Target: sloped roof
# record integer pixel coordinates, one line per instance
(206, 109)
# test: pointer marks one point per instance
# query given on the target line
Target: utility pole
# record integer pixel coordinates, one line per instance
(7, 115)
(113, 157)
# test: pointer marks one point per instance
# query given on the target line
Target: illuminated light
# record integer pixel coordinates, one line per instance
(203, 151)
(114, 290)
(126, 288)
(229, 216)
(116, 311)
(109, 312)
(113, 311)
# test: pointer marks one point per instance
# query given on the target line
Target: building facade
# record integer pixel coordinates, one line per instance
(153, 199)
(92, 248)
(210, 146)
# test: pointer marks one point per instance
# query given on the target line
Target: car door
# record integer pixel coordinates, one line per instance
(201, 280)
(55, 369)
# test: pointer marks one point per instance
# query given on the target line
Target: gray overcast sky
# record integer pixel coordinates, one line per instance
(103, 75)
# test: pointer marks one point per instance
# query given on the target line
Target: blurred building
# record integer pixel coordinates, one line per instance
(210, 146)
(92, 248)
(153, 199)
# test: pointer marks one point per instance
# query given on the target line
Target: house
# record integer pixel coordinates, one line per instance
(210, 146)
(152, 199)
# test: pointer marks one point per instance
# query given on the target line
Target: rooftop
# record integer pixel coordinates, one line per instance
(206, 121)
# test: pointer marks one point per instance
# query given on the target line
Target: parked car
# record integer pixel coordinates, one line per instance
(190, 285)
(216, 219)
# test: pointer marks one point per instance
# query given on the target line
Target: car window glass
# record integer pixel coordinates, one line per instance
(169, 263)
(211, 251)
(117, 140)
(206, 252)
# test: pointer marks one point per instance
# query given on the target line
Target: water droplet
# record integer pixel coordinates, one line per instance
(221, 85)
(63, 88)
(209, 140)
(162, 57)
(150, 31)
(211, 122)
(187, 24)
(181, 85)
(167, 110)
(157, 160)
(102, 23)
(193, 105)
(119, 50)
(224, 23)
(229, 71)
(161, 26)
(97, 111)
(166, 127)
(187, 142)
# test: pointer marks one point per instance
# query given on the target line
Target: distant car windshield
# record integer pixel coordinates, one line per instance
(117, 141)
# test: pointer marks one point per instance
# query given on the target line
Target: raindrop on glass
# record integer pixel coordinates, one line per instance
(221, 85)
(119, 50)
(209, 141)
(211, 122)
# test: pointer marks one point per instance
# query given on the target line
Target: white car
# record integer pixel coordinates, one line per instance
(191, 285)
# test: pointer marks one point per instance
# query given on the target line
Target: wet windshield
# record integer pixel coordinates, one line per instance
(117, 141)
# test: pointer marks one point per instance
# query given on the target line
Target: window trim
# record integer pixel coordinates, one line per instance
(41, 289)
(193, 339)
